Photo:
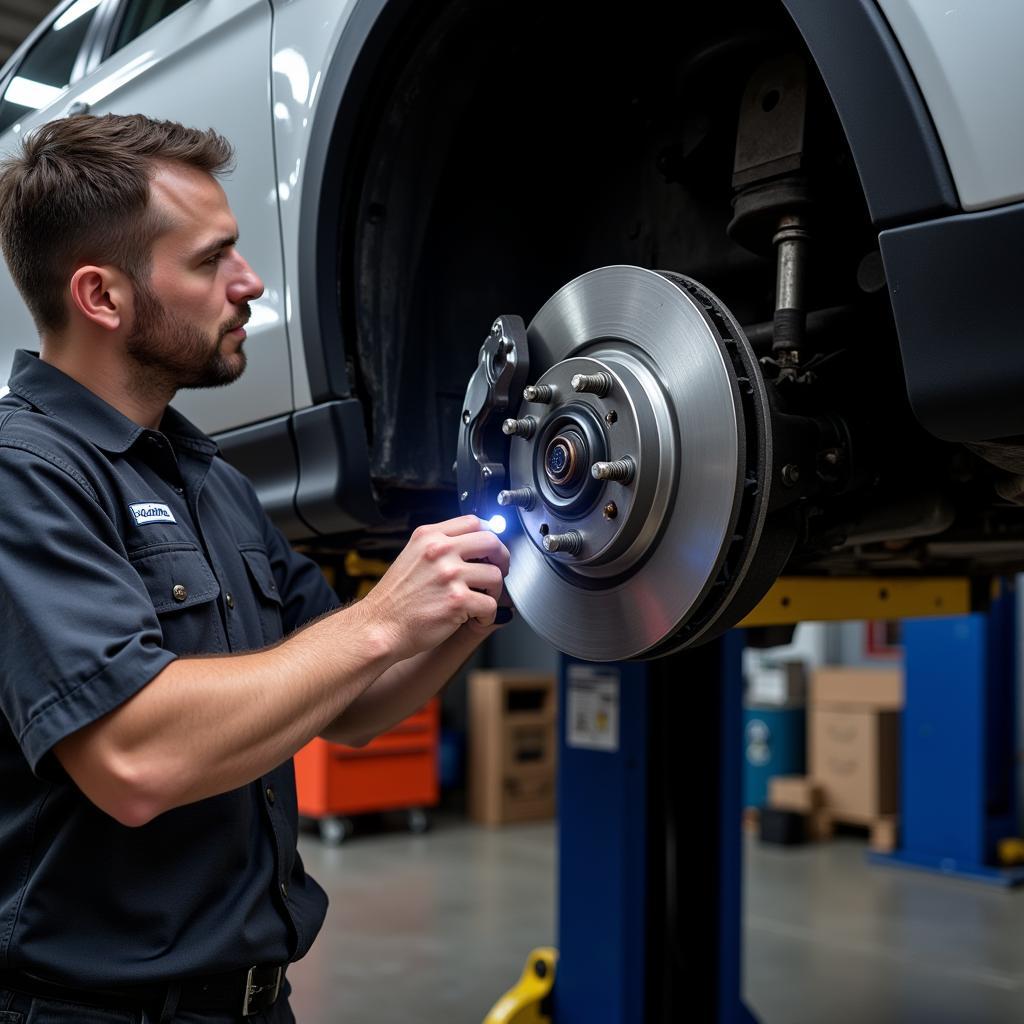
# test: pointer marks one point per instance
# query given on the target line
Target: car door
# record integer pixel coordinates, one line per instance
(205, 63)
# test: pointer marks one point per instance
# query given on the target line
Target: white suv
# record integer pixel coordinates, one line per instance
(825, 377)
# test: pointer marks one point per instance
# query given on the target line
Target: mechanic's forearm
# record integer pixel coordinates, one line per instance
(205, 726)
(404, 688)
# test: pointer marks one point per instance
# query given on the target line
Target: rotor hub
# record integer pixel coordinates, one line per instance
(580, 434)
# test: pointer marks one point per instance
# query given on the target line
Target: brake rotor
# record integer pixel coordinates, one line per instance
(639, 470)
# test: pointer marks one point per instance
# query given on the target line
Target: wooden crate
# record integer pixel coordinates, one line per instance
(882, 832)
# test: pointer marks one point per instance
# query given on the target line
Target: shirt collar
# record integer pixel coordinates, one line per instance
(62, 397)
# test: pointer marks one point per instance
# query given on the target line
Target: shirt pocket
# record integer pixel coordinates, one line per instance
(267, 595)
(184, 593)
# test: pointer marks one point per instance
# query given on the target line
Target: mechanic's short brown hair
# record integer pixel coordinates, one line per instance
(78, 192)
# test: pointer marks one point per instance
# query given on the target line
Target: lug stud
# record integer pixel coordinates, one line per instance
(521, 497)
(571, 543)
(525, 428)
(540, 393)
(599, 383)
(621, 470)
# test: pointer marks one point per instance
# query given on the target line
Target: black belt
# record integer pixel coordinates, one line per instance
(246, 991)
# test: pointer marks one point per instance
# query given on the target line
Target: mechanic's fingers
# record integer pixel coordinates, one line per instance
(485, 577)
(483, 545)
(456, 527)
(481, 607)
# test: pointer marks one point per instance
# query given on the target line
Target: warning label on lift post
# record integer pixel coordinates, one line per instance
(592, 707)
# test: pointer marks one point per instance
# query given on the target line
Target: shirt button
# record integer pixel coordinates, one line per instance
(229, 600)
(179, 592)
(271, 795)
(284, 889)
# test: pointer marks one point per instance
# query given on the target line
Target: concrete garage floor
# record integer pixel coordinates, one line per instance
(432, 929)
(830, 938)
(427, 929)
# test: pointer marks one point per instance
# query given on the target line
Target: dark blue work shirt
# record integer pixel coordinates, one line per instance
(122, 548)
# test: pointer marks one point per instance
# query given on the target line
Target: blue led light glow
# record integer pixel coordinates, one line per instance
(496, 524)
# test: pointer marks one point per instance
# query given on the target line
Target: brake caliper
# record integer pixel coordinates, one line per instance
(496, 385)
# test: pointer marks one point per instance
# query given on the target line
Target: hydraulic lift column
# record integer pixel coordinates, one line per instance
(649, 918)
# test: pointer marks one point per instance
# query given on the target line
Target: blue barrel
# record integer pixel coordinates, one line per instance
(774, 743)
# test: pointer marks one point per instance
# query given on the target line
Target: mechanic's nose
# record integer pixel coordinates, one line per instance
(246, 285)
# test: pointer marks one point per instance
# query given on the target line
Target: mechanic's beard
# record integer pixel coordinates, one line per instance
(171, 354)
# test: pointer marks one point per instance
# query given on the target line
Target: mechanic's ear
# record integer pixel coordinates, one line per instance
(103, 295)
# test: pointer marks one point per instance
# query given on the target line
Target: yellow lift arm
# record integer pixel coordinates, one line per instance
(524, 1002)
(835, 599)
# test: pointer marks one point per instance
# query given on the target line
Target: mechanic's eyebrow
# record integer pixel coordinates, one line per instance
(222, 243)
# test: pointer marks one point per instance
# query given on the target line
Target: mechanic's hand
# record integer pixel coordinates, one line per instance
(448, 574)
(506, 612)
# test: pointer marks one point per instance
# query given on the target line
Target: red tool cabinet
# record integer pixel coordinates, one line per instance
(396, 771)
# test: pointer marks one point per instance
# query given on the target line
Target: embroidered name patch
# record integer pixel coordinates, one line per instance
(151, 512)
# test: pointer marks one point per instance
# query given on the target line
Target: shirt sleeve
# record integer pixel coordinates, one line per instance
(80, 635)
(305, 593)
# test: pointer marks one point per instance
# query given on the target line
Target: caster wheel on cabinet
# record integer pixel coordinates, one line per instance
(418, 821)
(334, 831)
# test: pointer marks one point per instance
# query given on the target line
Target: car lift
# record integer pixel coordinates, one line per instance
(650, 843)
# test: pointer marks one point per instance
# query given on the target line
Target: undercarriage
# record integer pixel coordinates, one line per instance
(745, 411)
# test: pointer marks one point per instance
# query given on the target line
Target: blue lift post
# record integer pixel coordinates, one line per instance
(650, 854)
(959, 793)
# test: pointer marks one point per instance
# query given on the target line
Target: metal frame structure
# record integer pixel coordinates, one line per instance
(650, 860)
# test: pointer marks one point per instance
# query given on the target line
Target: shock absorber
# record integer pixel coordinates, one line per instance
(771, 203)
(790, 311)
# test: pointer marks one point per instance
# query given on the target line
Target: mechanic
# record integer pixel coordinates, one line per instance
(151, 706)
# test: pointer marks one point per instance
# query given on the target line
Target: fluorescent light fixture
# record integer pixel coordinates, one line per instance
(27, 93)
(74, 12)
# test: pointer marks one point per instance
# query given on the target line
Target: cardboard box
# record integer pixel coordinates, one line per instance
(794, 793)
(878, 688)
(854, 758)
(512, 746)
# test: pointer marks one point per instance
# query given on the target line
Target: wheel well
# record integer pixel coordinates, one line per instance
(502, 149)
